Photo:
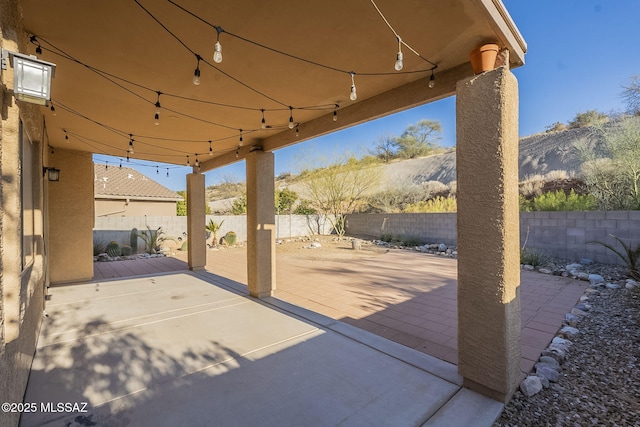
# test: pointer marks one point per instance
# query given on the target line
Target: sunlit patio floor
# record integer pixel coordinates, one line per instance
(191, 349)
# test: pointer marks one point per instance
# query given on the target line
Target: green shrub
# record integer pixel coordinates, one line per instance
(630, 256)
(185, 246)
(386, 237)
(126, 250)
(437, 204)
(532, 257)
(560, 201)
(99, 248)
(411, 241)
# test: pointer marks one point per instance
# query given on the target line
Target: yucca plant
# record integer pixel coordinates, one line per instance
(630, 256)
(214, 227)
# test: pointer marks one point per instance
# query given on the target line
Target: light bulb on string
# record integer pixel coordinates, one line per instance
(398, 65)
(130, 144)
(120, 167)
(432, 80)
(196, 163)
(263, 125)
(127, 157)
(66, 136)
(167, 172)
(188, 162)
(241, 139)
(106, 165)
(353, 95)
(210, 149)
(196, 73)
(291, 124)
(238, 152)
(53, 109)
(52, 151)
(335, 113)
(217, 48)
(157, 170)
(297, 131)
(157, 116)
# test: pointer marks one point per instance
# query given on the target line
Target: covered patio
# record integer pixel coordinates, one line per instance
(137, 79)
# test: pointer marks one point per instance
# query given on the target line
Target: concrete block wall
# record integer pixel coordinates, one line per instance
(558, 234)
(432, 227)
(118, 229)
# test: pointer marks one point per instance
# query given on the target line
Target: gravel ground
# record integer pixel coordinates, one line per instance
(599, 381)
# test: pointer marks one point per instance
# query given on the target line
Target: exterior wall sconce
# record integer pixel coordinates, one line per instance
(53, 174)
(31, 77)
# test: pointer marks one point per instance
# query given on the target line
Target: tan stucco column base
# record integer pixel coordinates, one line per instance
(261, 228)
(488, 233)
(196, 218)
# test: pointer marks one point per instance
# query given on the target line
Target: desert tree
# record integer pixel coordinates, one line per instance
(338, 187)
(420, 139)
(385, 148)
(631, 95)
(588, 118)
(612, 171)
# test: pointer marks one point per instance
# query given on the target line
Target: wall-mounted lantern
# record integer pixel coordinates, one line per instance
(31, 77)
(53, 174)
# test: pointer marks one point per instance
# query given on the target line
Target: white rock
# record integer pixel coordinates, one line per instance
(574, 266)
(569, 331)
(528, 267)
(545, 271)
(547, 372)
(531, 385)
(595, 279)
(612, 286)
(442, 247)
(561, 341)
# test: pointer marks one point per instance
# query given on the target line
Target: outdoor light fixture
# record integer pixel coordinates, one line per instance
(53, 174)
(31, 77)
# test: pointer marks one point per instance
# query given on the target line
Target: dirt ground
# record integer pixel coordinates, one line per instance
(330, 249)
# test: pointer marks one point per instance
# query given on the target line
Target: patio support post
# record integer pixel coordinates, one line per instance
(196, 219)
(261, 228)
(488, 233)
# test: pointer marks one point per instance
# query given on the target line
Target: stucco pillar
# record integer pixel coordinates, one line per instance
(488, 233)
(196, 218)
(261, 228)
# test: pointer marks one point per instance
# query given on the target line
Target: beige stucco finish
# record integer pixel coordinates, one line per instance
(196, 218)
(488, 233)
(261, 224)
(70, 206)
(127, 207)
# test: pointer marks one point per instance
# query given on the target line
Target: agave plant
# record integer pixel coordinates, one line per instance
(153, 239)
(629, 255)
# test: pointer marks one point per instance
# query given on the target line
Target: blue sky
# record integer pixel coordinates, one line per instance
(579, 55)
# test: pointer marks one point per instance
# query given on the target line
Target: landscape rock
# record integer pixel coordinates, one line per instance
(561, 341)
(442, 247)
(582, 276)
(578, 312)
(531, 385)
(528, 267)
(612, 286)
(571, 319)
(545, 271)
(550, 361)
(574, 266)
(595, 279)
(569, 331)
(585, 261)
(547, 372)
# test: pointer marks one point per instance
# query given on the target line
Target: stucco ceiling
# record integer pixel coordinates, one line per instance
(124, 57)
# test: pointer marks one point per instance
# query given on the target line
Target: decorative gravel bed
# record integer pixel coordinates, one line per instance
(599, 378)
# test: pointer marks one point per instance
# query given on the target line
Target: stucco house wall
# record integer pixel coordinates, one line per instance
(128, 207)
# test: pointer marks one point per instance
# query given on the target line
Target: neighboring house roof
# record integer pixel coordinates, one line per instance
(126, 183)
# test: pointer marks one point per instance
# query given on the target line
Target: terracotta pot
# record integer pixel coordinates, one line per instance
(483, 58)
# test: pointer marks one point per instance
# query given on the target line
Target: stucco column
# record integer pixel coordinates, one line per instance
(261, 228)
(488, 233)
(196, 218)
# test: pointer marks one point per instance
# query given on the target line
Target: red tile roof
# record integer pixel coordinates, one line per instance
(121, 182)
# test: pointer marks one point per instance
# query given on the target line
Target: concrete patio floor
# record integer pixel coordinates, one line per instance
(191, 349)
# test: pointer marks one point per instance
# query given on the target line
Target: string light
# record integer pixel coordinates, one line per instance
(157, 116)
(291, 124)
(130, 150)
(263, 125)
(196, 163)
(353, 96)
(237, 152)
(297, 131)
(196, 73)
(120, 164)
(335, 113)
(127, 157)
(167, 172)
(188, 163)
(432, 80)
(34, 40)
(52, 151)
(217, 48)
(210, 149)
(66, 136)
(157, 170)
(106, 165)
(241, 140)
(398, 65)
(53, 109)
